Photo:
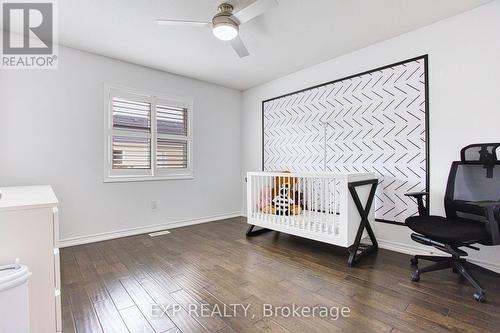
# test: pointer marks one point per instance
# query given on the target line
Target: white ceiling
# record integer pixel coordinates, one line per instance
(294, 35)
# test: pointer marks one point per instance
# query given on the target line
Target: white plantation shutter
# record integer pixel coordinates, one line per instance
(171, 154)
(131, 153)
(172, 142)
(171, 120)
(147, 137)
(131, 143)
(131, 115)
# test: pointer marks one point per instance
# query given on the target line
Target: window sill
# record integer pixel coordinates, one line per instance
(121, 179)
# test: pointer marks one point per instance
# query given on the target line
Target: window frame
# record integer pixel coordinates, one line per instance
(153, 173)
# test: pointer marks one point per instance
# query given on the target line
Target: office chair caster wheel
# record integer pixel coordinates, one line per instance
(480, 297)
(415, 276)
(414, 261)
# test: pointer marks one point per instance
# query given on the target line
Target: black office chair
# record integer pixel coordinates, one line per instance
(472, 204)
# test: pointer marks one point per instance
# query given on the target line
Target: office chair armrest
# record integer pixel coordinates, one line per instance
(491, 211)
(422, 211)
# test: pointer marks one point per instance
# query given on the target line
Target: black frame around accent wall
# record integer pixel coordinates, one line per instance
(425, 57)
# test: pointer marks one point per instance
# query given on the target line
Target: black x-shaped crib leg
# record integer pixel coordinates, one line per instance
(250, 232)
(358, 250)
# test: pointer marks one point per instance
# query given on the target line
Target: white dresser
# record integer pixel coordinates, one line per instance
(29, 230)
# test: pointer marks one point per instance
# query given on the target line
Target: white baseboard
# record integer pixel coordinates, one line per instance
(405, 248)
(492, 267)
(412, 250)
(142, 230)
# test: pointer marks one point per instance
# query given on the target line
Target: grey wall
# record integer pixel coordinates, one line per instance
(52, 133)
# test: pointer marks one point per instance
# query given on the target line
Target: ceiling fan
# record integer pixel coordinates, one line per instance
(225, 24)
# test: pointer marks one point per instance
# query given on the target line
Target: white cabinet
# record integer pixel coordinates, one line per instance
(29, 230)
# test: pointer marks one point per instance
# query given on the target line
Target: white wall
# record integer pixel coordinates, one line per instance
(52, 133)
(464, 68)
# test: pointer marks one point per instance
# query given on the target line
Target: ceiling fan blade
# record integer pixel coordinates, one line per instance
(183, 23)
(239, 47)
(254, 10)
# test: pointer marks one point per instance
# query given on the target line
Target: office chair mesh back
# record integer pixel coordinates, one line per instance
(475, 178)
(473, 184)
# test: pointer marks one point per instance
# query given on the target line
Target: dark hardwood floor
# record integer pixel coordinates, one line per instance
(110, 286)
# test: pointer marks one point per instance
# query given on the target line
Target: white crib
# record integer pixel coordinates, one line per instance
(322, 206)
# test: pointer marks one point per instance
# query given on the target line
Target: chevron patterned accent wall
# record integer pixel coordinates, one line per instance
(371, 122)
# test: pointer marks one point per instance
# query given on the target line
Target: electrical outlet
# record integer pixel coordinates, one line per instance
(154, 204)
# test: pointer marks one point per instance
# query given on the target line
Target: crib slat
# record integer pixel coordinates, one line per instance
(324, 209)
(313, 202)
(252, 197)
(301, 203)
(289, 194)
(268, 198)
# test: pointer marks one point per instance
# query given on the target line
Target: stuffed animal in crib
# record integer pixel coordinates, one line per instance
(280, 199)
(284, 204)
(280, 182)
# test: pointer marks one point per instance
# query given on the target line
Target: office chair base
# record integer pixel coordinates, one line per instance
(480, 297)
(414, 259)
(457, 266)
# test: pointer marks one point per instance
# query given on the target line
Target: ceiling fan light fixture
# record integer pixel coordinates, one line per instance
(224, 31)
(224, 28)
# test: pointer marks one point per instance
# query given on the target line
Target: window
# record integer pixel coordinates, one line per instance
(148, 137)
